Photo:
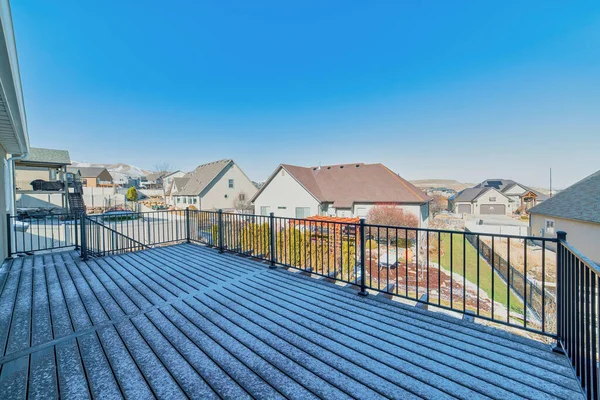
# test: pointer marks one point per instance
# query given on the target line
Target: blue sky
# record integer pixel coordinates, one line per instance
(451, 89)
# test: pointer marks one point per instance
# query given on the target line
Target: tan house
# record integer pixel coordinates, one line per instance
(216, 185)
(347, 190)
(93, 176)
(575, 210)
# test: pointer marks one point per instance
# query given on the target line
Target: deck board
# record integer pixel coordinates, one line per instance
(185, 321)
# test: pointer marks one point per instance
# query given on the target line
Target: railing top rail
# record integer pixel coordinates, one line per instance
(116, 232)
(588, 263)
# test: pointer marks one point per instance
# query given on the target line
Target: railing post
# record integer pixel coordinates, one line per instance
(561, 236)
(76, 238)
(84, 250)
(220, 231)
(272, 239)
(187, 224)
(9, 234)
(363, 286)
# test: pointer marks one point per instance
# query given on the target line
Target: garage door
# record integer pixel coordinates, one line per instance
(464, 209)
(496, 209)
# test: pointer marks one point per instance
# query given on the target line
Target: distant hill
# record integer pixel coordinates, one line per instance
(120, 171)
(447, 183)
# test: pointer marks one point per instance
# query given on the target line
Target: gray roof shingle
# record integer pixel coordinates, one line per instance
(580, 201)
(87, 172)
(39, 155)
(201, 177)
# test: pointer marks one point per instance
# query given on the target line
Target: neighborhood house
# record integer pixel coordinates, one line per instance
(347, 190)
(495, 197)
(92, 176)
(575, 210)
(216, 185)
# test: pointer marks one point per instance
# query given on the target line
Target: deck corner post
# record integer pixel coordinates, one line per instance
(561, 237)
(9, 234)
(363, 286)
(187, 225)
(272, 239)
(84, 252)
(220, 231)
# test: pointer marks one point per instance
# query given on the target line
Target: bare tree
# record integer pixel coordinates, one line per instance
(242, 203)
(391, 216)
(163, 168)
(437, 205)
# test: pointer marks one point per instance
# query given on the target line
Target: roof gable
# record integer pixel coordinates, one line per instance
(346, 184)
(580, 201)
(202, 177)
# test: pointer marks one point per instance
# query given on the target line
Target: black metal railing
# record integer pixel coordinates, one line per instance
(448, 269)
(42, 230)
(578, 314)
(124, 231)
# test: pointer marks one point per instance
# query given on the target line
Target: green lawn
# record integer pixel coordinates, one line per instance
(485, 271)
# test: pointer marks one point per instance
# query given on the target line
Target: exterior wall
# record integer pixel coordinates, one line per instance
(89, 181)
(284, 191)
(24, 175)
(3, 203)
(500, 199)
(584, 236)
(213, 197)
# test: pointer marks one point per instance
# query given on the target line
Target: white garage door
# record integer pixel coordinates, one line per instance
(495, 209)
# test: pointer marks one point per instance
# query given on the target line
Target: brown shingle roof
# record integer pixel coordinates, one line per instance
(346, 184)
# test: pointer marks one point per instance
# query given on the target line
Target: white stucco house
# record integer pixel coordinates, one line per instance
(14, 140)
(212, 186)
(575, 210)
(495, 197)
(347, 190)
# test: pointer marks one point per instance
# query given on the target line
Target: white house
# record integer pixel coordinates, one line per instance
(575, 210)
(495, 197)
(212, 186)
(347, 190)
(14, 140)
(167, 180)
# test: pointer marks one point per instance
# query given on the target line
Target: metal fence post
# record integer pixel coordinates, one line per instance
(76, 238)
(272, 239)
(84, 250)
(9, 234)
(363, 286)
(561, 236)
(187, 224)
(220, 231)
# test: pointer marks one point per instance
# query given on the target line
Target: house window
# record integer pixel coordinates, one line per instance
(550, 226)
(361, 212)
(302, 212)
(185, 200)
(492, 199)
(264, 210)
(179, 199)
(195, 199)
(242, 196)
(230, 184)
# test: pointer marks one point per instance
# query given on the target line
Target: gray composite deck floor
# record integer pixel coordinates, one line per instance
(185, 321)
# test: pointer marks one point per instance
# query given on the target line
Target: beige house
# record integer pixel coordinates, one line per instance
(212, 186)
(575, 210)
(347, 190)
(495, 197)
(93, 176)
(14, 140)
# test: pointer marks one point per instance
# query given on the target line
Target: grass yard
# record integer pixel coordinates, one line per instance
(485, 270)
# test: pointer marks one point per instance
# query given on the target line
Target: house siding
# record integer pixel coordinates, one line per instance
(4, 199)
(584, 236)
(284, 191)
